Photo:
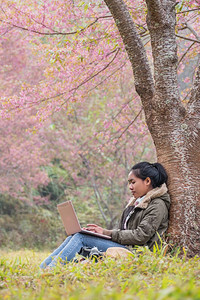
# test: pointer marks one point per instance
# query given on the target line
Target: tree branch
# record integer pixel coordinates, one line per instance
(194, 103)
(193, 31)
(97, 73)
(185, 53)
(128, 126)
(156, 12)
(164, 50)
(105, 78)
(54, 31)
(187, 39)
(144, 84)
(186, 11)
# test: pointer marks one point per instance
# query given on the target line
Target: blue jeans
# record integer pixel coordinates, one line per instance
(73, 244)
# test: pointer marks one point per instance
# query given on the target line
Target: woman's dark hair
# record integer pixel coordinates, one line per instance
(155, 172)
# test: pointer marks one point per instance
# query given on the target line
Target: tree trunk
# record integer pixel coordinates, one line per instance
(181, 157)
(175, 129)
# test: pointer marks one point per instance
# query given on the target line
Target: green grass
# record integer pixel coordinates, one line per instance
(146, 276)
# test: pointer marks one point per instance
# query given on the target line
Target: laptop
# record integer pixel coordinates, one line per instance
(70, 220)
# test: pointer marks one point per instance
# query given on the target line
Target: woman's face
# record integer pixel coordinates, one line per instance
(137, 186)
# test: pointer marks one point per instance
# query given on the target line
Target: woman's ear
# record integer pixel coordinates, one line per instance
(148, 181)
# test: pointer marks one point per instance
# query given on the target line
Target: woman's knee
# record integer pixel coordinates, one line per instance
(78, 235)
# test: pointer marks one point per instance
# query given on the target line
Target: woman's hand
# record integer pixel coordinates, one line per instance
(94, 228)
(98, 229)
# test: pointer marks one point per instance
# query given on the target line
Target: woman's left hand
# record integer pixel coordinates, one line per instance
(94, 228)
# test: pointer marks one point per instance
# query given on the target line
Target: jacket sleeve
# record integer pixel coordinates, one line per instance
(150, 223)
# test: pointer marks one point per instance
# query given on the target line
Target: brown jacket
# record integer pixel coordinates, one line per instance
(149, 218)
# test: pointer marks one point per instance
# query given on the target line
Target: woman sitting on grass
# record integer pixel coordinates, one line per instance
(143, 221)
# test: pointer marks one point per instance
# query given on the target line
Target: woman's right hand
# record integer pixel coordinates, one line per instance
(98, 229)
(94, 228)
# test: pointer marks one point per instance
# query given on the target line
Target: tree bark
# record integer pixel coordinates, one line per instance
(175, 129)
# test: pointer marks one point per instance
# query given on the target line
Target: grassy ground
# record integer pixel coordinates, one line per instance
(146, 276)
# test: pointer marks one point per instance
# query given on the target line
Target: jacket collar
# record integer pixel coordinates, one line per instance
(154, 193)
